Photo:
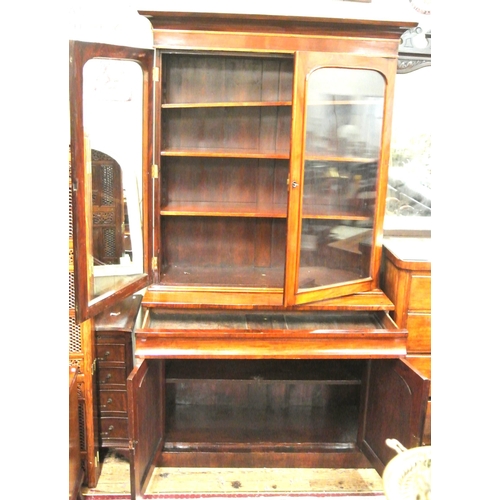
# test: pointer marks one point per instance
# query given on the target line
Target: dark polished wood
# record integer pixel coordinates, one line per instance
(114, 328)
(394, 406)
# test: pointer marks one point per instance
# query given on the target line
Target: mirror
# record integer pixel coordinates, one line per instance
(108, 138)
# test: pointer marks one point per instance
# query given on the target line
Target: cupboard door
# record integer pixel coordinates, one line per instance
(338, 173)
(395, 403)
(111, 93)
(146, 422)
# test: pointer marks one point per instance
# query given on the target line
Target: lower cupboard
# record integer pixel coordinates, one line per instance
(271, 413)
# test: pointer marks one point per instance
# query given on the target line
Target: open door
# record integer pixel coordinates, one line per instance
(145, 391)
(338, 172)
(394, 406)
(111, 115)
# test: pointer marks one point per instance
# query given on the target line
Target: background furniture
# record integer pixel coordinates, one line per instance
(406, 278)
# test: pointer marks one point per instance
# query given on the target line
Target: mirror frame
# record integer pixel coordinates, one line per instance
(79, 54)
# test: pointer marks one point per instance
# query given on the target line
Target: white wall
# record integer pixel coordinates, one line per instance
(117, 21)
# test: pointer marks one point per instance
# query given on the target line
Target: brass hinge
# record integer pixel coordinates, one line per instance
(94, 366)
(156, 74)
(154, 263)
(154, 171)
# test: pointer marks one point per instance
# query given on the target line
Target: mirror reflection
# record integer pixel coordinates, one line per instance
(112, 119)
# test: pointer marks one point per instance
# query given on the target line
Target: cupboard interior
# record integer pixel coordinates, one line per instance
(225, 153)
(284, 406)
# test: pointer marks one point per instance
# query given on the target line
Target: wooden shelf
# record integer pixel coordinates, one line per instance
(182, 105)
(347, 159)
(242, 276)
(345, 102)
(226, 153)
(228, 428)
(221, 209)
(211, 209)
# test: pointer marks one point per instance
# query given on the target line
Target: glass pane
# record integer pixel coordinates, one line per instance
(343, 134)
(112, 116)
(409, 192)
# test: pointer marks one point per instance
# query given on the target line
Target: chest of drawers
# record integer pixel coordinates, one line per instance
(114, 329)
(406, 279)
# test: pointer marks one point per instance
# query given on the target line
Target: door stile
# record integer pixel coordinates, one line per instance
(145, 392)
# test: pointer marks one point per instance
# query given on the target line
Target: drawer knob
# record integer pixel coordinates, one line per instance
(109, 401)
(108, 376)
(106, 354)
(110, 429)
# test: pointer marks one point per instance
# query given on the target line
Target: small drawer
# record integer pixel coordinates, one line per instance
(110, 375)
(420, 293)
(419, 332)
(111, 353)
(113, 401)
(114, 427)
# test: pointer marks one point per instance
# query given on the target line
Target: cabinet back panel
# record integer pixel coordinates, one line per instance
(224, 242)
(224, 180)
(274, 397)
(203, 78)
(246, 128)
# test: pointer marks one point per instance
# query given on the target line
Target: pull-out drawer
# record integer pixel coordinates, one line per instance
(111, 375)
(110, 353)
(248, 334)
(112, 401)
(114, 428)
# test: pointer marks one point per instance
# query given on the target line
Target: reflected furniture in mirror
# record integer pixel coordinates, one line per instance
(263, 209)
(110, 228)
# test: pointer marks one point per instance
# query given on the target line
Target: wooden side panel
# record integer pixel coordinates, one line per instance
(395, 405)
(420, 292)
(146, 422)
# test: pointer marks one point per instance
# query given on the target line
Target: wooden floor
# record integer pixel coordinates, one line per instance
(115, 479)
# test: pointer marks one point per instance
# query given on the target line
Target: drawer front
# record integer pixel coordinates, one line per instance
(419, 332)
(111, 375)
(114, 427)
(420, 293)
(113, 401)
(113, 353)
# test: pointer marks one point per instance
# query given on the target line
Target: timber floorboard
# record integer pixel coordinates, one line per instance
(115, 472)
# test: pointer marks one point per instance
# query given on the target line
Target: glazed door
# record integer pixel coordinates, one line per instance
(111, 96)
(145, 392)
(337, 175)
(394, 406)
